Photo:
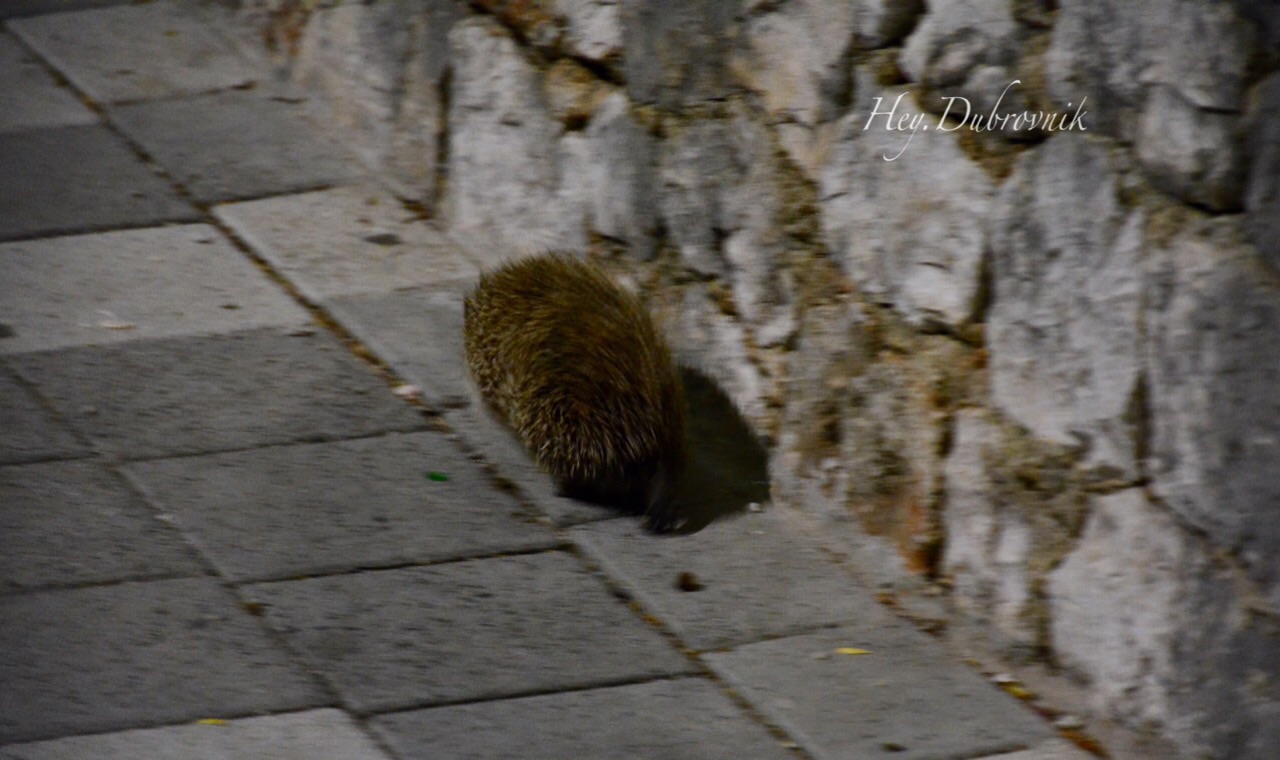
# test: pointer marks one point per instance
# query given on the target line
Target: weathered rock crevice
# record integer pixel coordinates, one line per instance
(1033, 358)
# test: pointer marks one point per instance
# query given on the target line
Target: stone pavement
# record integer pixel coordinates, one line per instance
(222, 535)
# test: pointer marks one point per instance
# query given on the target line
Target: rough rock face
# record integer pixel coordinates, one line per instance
(1213, 365)
(906, 215)
(1065, 286)
(1039, 362)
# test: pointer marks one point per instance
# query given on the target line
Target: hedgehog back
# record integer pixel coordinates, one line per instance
(577, 368)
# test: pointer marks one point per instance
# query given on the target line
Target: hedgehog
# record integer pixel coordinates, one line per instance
(576, 367)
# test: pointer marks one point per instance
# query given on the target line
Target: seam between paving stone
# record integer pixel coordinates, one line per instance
(705, 670)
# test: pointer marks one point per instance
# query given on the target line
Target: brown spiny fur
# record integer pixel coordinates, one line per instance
(576, 367)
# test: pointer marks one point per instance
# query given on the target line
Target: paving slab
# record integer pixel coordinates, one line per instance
(905, 699)
(76, 522)
(758, 578)
(154, 398)
(111, 287)
(238, 144)
(78, 179)
(30, 432)
(321, 508)
(418, 332)
(138, 51)
(137, 654)
(479, 629)
(687, 718)
(347, 241)
(323, 733)
(29, 95)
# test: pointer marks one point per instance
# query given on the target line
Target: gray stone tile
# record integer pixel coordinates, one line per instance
(236, 145)
(107, 658)
(77, 522)
(153, 398)
(29, 96)
(323, 733)
(905, 699)
(419, 334)
(28, 431)
(110, 287)
(294, 510)
(77, 179)
(468, 630)
(660, 720)
(139, 51)
(759, 578)
(347, 241)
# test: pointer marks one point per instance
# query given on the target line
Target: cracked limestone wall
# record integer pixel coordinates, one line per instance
(1040, 366)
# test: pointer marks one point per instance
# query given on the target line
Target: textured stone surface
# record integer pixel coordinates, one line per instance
(185, 396)
(1110, 51)
(235, 145)
(1262, 189)
(73, 179)
(966, 48)
(32, 432)
(593, 28)
(321, 508)
(612, 170)
(905, 211)
(66, 523)
(465, 631)
(901, 700)
(106, 658)
(987, 543)
(29, 96)
(1213, 362)
(891, 435)
(796, 57)
(1066, 286)
(346, 241)
(291, 736)
(110, 287)
(1193, 153)
(695, 169)
(671, 52)
(380, 67)
(1166, 633)
(133, 53)
(760, 579)
(505, 164)
(1115, 600)
(419, 333)
(663, 719)
(721, 206)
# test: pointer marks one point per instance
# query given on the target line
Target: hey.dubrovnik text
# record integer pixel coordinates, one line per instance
(962, 116)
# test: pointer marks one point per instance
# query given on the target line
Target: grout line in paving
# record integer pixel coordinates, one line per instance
(694, 656)
(408, 565)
